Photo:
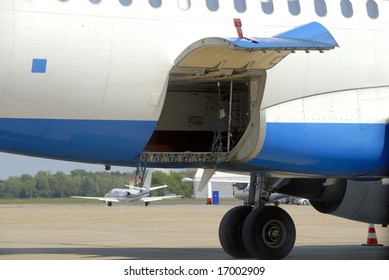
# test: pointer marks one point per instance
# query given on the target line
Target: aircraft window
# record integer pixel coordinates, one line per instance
(320, 8)
(125, 2)
(267, 6)
(155, 3)
(372, 9)
(346, 8)
(95, 1)
(240, 5)
(212, 5)
(183, 4)
(294, 7)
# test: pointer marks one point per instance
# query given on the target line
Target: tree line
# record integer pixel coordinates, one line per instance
(86, 183)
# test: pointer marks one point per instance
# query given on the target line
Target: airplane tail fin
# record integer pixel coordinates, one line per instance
(147, 182)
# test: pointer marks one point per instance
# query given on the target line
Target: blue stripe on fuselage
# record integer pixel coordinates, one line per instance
(95, 141)
(326, 149)
(307, 148)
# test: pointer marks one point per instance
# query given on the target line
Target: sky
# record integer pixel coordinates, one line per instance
(15, 165)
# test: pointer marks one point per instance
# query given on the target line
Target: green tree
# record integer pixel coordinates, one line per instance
(173, 180)
(88, 187)
(28, 189)
(42, 184)
(81, 182)
(6, 190)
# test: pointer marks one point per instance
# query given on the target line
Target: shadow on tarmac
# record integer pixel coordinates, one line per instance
(349, 252)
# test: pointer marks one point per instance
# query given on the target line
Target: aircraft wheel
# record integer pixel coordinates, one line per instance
(109, 203)
(269, 233)
(230, 232)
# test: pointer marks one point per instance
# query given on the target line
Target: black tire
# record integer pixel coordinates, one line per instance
(269, 233)
(230, 232)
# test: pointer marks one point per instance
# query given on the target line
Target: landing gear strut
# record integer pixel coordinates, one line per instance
(256, 230)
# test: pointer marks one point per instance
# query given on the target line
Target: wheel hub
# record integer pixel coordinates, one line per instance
(273, 233)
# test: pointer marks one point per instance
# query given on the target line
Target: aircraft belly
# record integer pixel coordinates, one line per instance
(325, 149)
(95, 141)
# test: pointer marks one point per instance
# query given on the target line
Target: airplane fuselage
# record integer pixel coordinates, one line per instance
(294, 92)
(98, 83)
(124, 195)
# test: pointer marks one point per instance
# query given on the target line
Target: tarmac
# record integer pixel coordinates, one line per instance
(165, 231)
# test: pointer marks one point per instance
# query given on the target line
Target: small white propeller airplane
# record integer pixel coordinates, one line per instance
(132, 193)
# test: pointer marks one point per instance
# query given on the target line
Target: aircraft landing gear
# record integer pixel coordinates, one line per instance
(263, 232)
(269, 233)
(230, 232)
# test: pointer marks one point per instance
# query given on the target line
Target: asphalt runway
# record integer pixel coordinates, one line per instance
(164, 232)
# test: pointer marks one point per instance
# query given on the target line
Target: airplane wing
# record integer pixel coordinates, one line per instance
(155, 198)
(158, 187)
(106, 199)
